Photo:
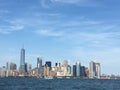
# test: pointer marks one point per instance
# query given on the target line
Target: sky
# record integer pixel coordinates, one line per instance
(57, 30)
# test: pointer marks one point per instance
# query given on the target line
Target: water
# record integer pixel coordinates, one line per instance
(57, 84)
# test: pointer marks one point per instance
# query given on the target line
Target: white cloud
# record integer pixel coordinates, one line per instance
(45, 3)
(48, 3)
(85, 3)
(81, 22)
(67, 1)
(49, 33)
(9, 29)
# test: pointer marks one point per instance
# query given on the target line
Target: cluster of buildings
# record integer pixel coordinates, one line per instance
(59, 70)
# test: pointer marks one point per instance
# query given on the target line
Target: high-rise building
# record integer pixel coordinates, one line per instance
(69, 70)
(46, 71)
(94, 68)
(48, 63)
(82, 71)
(74, 70)
(39, 66)
(22, 56)
(98, 70)
(39, 62)
(22, 61)
(10, 67)
(26, 67)
(78, 68)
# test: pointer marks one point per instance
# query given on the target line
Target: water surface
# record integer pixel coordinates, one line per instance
(57, 84)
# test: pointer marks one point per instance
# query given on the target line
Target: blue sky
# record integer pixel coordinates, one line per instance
(57, 30)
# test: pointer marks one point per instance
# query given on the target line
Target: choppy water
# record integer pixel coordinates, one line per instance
(57, 84)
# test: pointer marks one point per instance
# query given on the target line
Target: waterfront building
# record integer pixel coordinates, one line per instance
(10, 67)
(22, 61)
(82, 71)
(87, 72)
(48, 63)
(98, 69)
(33, 72)
(94, 68)
(78, 68)
(26, 67)
(39, 66)
(3, 71)
(69, 70)
(74, 70)
(46, 71)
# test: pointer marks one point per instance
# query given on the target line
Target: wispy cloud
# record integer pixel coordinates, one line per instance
(49, 33)
(67, 1)
(77, 2)
(45, 3)
(47, 14)
(49, 3)
(9, 29)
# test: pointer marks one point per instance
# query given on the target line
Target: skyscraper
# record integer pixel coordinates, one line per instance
(78, 68)
(10, 67)
(74, 70)
(22, 61)
(39, 66)
(48, 63)
(39, 62)
(98, 70)
(22, 56)
(82, 71)
(94, 68)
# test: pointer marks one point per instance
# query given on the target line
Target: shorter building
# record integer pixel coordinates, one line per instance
(10, 68)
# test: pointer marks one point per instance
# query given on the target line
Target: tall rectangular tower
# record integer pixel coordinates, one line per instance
(39, 66)
(22, 61)
(78, 68)
(94, 68)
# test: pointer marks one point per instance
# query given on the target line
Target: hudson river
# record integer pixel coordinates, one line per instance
(57, 84)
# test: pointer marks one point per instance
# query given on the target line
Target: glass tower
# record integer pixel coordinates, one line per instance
(22, 60)
(39, 66)
(22, 57)
(78, 68)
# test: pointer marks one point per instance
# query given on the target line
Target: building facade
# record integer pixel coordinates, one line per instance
(78, 68)
(94, 70)
(22, 61)
(39, 66)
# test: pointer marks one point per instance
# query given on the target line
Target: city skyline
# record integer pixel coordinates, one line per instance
(85, 30)
(60, 69)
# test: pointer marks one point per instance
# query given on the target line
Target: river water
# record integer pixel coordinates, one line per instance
(58, 84)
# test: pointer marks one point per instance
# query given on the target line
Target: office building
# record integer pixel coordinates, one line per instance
(69, 70)
(11, 66)
(82, 71)
(48, 63)
(74, 70)
(94, 68)
(22, 61)
(78, 68)
(39, 66)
